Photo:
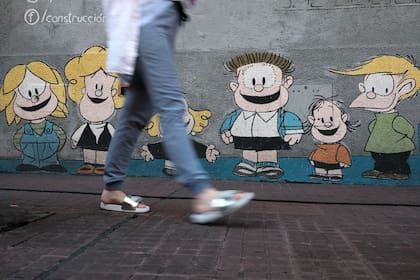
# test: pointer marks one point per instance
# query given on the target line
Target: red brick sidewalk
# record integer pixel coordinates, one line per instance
(291, 231)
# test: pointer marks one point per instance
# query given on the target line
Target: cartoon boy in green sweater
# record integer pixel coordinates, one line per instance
(388, 80)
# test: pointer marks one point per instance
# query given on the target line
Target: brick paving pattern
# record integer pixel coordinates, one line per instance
(269, 239)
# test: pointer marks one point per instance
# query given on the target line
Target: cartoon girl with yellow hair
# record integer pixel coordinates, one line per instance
(97, 93)
(33, 92)
(195, 122)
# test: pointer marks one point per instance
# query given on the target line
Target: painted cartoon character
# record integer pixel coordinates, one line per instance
(33, 92)
(261, 126)
(329, 124)
(96, 92)
(388, 80)
(195, 122)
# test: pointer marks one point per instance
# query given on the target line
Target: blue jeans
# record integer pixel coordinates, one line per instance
(155, 88)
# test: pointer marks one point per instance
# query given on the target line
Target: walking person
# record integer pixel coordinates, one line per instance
(141, 48)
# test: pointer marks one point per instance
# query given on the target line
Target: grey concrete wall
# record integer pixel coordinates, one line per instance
(315, 34)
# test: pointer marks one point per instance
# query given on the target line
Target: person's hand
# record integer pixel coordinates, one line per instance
(292, 138)
(211, 153)
(146, 154)
(227, 137)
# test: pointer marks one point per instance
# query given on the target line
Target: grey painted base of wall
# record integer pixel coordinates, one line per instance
(295, 170)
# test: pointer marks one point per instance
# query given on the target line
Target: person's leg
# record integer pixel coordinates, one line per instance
(159, 69)
(132, 118)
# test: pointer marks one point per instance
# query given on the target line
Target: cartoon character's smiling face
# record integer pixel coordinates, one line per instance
(34, 98)
(261, 87)
(328, 123)
(97, 103)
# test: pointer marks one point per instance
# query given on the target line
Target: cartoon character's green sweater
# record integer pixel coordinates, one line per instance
(390, 133)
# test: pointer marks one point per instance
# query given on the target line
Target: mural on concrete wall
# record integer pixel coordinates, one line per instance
(261, 126)
(388, 81)
(97, 94)
(328, 123)
(196, 122)
(35, 92)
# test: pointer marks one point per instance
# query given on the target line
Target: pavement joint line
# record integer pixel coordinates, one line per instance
(82, 249)
(316, 202)
(362, 260)
(24, 240)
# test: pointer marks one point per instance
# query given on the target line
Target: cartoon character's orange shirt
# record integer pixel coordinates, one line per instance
(331, 154)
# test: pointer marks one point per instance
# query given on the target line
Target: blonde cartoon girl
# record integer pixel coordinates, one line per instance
(33, 92)
(97, 93)
(195, 122)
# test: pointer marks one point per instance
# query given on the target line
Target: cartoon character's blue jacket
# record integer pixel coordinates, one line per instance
(286, 122)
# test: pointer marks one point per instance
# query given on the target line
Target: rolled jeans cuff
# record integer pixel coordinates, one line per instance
(113, 186)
